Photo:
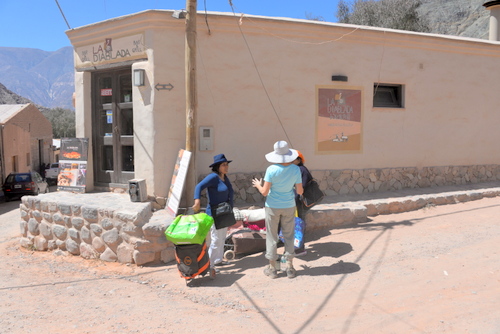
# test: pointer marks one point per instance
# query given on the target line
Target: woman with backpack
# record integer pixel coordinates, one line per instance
(301, 208)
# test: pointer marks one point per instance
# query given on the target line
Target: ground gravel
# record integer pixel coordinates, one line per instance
(436, 270)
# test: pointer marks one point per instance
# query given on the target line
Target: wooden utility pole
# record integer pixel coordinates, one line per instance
(191, 98)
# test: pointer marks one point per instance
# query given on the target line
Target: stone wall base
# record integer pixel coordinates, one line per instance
(109, 227)
(358, 181)
(105, 226)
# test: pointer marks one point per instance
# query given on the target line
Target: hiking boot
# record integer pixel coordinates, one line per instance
(271, 272)
(291, 272)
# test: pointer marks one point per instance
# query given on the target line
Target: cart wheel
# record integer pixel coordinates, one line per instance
(229, 255)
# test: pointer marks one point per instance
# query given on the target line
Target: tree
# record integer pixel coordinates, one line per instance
(63, 122)
(393, 14)
(343, 11)
(312, 17)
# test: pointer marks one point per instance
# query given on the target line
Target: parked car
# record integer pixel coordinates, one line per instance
(51, 173)
(20, 184)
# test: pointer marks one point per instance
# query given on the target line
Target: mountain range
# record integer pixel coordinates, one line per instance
(47, 78)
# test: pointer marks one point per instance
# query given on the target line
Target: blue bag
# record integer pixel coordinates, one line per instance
(298, 242)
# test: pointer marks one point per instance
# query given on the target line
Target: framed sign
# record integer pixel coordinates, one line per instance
(178, 180)
(339, 119)
(73, 165)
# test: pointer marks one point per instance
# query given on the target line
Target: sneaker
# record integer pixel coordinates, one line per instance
(268, 271)
(301, 253)
(291, 272)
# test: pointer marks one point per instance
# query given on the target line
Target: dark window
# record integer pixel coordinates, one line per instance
(128, 158)
(107, 158)
(387, 96)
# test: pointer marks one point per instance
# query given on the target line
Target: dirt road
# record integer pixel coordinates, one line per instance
(435, 270)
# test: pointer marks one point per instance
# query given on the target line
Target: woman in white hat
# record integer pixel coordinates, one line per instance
(279, 182)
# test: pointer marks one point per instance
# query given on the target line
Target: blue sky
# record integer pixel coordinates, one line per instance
(39, 24)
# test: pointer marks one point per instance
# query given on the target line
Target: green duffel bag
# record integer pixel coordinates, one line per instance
(189, 229)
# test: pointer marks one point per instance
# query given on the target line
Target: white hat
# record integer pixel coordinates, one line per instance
(282, 154)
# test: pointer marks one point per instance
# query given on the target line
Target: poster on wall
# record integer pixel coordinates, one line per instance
(178, 180)
(73, 164)
(339, 119)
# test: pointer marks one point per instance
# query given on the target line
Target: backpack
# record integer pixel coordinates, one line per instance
(192, 260)
(312, 194)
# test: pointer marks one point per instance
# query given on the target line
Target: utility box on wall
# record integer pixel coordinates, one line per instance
(206, 138)
(137, 190)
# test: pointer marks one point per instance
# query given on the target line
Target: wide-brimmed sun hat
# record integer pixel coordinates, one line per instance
(282, 153)
(218, 159)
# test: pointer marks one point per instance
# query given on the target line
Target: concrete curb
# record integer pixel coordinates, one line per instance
(326, 216)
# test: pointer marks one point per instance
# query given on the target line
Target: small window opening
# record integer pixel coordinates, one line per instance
(387, 96)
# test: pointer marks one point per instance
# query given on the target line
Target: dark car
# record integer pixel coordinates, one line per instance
(20, 184)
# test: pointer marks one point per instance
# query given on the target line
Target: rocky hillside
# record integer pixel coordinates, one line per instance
(9, 97)
(466, 18)
(46, 78)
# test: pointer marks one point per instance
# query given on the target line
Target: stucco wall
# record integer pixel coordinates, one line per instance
(16, 143)
(449, 117)
(258, 85)
(22, 134)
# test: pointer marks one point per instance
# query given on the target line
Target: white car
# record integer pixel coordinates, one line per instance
(51, 173)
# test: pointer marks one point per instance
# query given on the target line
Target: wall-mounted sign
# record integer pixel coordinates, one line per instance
(159, 86)
(109, 116)
(339, 119)
(107, 92)
(111, 50)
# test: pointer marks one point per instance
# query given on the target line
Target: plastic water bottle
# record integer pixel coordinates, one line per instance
(281, 263)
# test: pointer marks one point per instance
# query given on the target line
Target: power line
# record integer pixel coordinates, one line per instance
(60, 9)
(260, 78)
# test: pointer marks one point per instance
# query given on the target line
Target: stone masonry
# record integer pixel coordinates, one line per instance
(108, 226)
(359, 181)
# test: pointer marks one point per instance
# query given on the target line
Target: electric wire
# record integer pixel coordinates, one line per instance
(282, 38)
(260, 77)
(301, 42)
(62, 13)
(287, 39)
(206, 18)
(380, 67)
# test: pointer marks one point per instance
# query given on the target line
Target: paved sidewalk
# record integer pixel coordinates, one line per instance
(342, 210)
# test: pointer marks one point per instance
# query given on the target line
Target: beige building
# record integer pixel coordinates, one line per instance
(25, 139)
(371, 109)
